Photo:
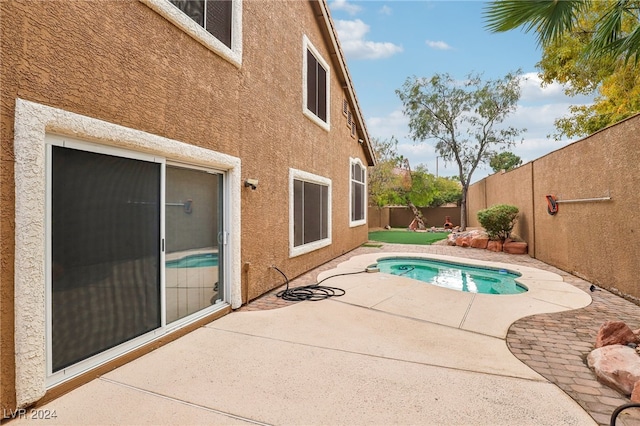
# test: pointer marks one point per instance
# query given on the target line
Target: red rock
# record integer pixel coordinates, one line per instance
(464, 241)
(635, 393)
(494, 246)
(615, 333)
(480, 241)
(513, 247)
(616, 366)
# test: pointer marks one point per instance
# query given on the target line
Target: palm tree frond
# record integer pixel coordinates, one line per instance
(549, 18)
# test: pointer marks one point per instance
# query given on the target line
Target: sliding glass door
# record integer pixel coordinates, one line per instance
(129, 235)
(193, 275)
(105, 252)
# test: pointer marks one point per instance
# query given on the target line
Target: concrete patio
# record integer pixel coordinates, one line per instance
(391, 351)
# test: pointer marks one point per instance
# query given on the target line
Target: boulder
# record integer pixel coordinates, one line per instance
(635, 393)
(479, 241)
(494, 245)
(615, 333)
(514, 247)
(464, 241)
(616, 366)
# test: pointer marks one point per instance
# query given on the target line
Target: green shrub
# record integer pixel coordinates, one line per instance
(498, 220)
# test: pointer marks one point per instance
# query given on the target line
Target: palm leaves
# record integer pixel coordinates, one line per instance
(617, 32)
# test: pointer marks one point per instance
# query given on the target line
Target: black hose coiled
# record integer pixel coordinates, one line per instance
(312, 292)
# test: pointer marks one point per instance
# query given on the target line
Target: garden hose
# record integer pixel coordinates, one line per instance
(312, 292)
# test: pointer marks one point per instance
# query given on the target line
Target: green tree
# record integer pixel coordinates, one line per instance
(448, 190)
(505, 161)
(383, 178)
(591, 45)
(552, 20)
(392, 182)
(463, 118)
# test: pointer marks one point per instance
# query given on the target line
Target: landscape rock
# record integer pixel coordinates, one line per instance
(514, 247)
(616, 366)
(615, 333)
(464, 241)
(480, 241)
(494, 246)
(635, 393)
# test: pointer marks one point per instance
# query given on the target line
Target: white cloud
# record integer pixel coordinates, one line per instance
(345, 6)
(438, 45)
(385, 10)
(395, 124)
(352, 38)
(532, 90)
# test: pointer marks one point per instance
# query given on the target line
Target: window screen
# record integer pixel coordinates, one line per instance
(105, 251)
(316, 87)
(310, 212)
(213, 15)
(357, 192)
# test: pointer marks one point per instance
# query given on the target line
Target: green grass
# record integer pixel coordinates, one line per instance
(406, 237)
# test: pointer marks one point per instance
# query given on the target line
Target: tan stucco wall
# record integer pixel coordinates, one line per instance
(125, 64)
(596, 240)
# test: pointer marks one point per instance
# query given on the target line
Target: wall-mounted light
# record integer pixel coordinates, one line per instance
(360, 141)
(251, 183)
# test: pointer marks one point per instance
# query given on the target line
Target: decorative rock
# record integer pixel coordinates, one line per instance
(494, 246)
(616, 366)
(615, 333)
(635, 393)
(480, 241)
(464, 241)
(514, 247)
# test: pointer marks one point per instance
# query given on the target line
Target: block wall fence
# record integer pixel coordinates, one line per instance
(596, 232)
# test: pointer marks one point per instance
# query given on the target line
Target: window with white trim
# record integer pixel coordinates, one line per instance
(310, 212)
(316, 78)
(212, 15)
(217, 24)
(358, 193)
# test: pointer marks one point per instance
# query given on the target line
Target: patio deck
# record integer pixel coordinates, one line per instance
(372, 357)
(554, 344)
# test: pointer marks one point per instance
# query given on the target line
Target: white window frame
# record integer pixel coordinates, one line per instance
(354, 223)
(197, 32)
(307, 45)
(295, 174)
(33, 123)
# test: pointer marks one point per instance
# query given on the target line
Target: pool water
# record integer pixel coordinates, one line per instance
(201, 260)
(454, 275)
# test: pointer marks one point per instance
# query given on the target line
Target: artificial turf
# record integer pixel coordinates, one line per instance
(403, 236)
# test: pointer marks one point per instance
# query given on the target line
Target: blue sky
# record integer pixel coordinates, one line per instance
(387, 41)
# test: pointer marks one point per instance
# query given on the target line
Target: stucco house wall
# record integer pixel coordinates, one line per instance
(123, 75)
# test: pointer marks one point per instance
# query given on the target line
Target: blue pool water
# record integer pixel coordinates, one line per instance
(454, 275)
(201, 260)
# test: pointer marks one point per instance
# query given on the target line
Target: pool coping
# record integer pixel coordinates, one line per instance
(487, 314)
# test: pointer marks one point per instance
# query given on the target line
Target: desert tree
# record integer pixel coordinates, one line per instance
(463, 118)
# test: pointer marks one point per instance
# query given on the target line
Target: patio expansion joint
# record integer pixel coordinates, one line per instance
(180, 401)
(464, 317)
(425, 321)
(388, 358)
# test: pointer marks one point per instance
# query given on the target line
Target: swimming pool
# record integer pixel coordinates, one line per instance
(200, 260)
(456, 276)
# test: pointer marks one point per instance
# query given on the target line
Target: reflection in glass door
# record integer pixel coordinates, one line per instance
(193, 255)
